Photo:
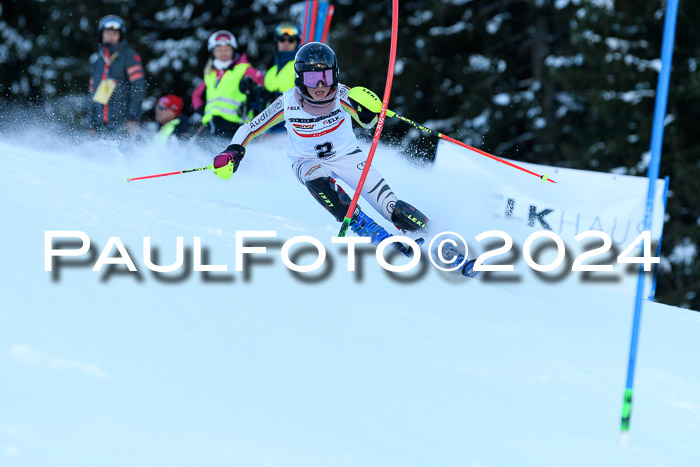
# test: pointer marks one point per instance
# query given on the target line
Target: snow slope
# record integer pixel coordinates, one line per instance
(265, 367)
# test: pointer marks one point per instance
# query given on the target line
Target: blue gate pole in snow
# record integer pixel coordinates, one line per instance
(652, 294)
(657, 136)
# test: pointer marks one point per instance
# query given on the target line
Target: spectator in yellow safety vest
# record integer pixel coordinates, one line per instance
(222, 98)
(281, 76)
(168, 112)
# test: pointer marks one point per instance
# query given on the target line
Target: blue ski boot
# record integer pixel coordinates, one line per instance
(364, 226)
(468, 269)
(456, 258)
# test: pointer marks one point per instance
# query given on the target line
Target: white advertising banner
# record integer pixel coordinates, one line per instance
(521, 203)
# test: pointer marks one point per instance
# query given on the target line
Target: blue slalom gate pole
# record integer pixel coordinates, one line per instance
(652, 294)
(657, 137)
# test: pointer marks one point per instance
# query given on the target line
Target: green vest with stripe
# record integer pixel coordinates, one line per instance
(167, 130)
(226, 99)
(280, 81)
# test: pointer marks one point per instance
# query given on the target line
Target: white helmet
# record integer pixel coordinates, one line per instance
(222, 38)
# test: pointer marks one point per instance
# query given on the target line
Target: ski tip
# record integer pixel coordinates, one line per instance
(468, 269)
(127, 179)
(624, 439)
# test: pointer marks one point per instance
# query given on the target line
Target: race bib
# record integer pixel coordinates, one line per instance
(104, 91)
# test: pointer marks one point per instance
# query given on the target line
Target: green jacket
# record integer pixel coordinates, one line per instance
(278, 81)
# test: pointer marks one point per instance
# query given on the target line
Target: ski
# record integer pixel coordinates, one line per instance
(407, 250)
(466, 269)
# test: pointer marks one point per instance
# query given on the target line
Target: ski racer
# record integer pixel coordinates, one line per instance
(322, 146)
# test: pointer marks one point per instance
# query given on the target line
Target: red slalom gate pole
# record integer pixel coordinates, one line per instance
(382, 115)
(305, 26)
(314, 13)
(329, 18)
(131, 179)
(391, 113)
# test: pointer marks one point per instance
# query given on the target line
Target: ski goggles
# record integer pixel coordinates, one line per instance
(311, 78)
(223, 39)
(112, 24)
(288, 29)
(164, 104)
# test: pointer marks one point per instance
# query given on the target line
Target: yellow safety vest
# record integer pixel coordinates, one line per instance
(226, 99)
(167, 130)
(280, 82)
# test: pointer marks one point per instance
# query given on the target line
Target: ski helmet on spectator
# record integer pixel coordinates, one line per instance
(288, 29)
(112, 22)
(172, 102)
(222, 38)
(315, 62)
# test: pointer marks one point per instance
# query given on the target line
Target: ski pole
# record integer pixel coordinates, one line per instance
(380, 123)
(130, 179)
(391, 113)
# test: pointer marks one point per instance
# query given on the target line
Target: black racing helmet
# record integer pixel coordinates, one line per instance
(311, 59)
(112, 22)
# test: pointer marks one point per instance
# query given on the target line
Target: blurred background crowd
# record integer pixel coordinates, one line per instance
(568, 83)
